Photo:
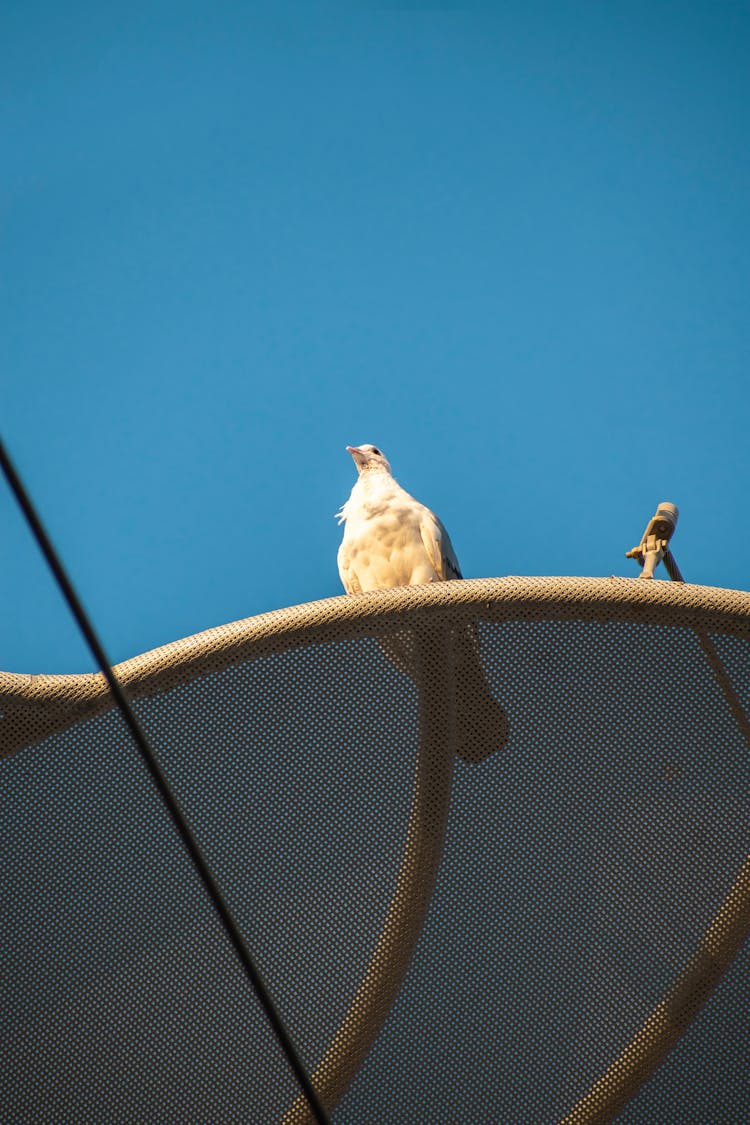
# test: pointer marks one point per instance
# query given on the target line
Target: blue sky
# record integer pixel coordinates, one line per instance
(508, 244)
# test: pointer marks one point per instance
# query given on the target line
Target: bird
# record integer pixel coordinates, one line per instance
(391, 539)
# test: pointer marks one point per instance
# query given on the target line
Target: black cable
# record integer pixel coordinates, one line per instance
(165, 792)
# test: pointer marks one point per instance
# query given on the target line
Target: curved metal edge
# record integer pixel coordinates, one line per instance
(415, 883)
(702, 974)
(671, 1018)
(34, 707)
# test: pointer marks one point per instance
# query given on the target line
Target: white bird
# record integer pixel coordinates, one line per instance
(390, 539)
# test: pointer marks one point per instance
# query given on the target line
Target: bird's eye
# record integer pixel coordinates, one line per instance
(376, 452)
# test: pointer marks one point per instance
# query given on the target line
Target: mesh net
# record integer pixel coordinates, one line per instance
(552, 932)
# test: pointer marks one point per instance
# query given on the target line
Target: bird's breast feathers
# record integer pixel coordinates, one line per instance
(390, 539)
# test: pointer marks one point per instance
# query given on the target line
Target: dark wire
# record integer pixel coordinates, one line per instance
(165, 792)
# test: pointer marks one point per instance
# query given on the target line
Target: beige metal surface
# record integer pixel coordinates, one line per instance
(36, 706)
(431, 617)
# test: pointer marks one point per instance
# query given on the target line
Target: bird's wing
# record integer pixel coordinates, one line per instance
(348, 578)
(438, 546)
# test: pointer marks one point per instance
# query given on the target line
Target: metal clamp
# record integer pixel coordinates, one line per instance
(654, 545)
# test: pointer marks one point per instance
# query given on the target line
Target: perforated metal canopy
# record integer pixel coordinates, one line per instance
(551, 932)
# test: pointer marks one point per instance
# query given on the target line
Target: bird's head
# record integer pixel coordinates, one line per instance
(369, 459)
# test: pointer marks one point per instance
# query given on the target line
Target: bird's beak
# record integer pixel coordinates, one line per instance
(352, 449)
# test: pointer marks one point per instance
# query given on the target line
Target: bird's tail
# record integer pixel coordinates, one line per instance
(481, 722)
